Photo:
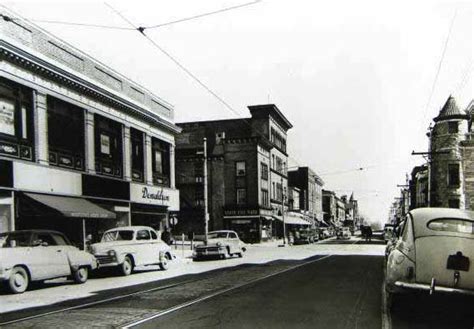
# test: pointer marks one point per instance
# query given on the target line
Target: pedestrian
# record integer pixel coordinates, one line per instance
(166, 236)
(369, 233)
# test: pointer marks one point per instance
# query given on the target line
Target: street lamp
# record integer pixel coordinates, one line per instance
(206, 211)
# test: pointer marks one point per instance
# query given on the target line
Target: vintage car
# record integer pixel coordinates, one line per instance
(343, 233)
(388, 232)
(220, 244)
(433, 252)
(127, 247)
(306, 236)
(324, 233)
(38, 255)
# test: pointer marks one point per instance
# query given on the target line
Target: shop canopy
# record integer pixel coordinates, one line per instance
(292, 220)
(72, 207)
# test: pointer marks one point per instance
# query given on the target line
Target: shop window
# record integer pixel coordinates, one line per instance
(108, 146)
(453, 175)
(160, 162)
(65, 134)
(240, 169)
(453, 127)
(264, 171)
(16, 120)
(241, 196)
(136, 143)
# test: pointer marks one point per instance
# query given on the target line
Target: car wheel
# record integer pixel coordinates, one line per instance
(126, 267)
(19, 280)
(164, 263)
(80, 275)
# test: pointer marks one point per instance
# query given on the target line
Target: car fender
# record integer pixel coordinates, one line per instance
(78, 258)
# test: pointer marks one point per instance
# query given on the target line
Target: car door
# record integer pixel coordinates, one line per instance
(144, 247)
(233, 242)
(51, 259)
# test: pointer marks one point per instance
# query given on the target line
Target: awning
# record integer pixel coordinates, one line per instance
(292, 220)
(72, 207)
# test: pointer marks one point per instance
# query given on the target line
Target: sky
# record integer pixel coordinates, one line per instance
(359, 80)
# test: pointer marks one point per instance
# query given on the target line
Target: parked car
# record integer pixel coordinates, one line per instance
(220, 244)
(127, 247)
(38, 255)
(307, 235)
(325, 233)
(432, 253)
(388, 232)
(343, 233)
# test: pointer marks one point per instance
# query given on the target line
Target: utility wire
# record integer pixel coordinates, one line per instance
(202, 15)
(142, 28)
(433, 87)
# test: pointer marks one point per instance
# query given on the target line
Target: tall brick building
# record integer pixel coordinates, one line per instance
(247, 176)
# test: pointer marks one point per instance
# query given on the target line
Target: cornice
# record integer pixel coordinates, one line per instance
(39, 66)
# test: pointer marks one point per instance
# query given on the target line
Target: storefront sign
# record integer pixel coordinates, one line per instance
(160, 196)
(241, 221)
(241, 212)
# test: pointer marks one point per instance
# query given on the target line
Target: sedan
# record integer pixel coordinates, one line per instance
(39, 255)
(220, 244)
(432, 253)
(124, 248)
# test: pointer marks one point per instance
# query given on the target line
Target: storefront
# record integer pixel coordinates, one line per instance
(252, 225)
(79, 205)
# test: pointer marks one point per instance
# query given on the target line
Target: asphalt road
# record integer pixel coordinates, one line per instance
(334, 292)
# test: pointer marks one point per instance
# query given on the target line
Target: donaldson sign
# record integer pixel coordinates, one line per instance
(155, 195)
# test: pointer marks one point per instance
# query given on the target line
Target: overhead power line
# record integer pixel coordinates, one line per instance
(440, 64)
(143, 28)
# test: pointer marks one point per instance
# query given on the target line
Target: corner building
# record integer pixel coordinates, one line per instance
(246, 168)
(82, 148)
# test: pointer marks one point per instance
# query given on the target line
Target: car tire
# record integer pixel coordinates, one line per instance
(19, 280)
(126, 268)
(80, 275)
(164, 265)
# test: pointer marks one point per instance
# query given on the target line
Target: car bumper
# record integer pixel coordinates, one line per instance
(426, 287)
(106, 261)
(209, 252)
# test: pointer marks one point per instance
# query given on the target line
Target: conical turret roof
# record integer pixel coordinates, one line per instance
(450, 110)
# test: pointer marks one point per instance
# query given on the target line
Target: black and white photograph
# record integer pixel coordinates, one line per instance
(237, 164)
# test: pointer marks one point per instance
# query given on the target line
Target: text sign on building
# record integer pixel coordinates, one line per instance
(155, 195)
(241, 212)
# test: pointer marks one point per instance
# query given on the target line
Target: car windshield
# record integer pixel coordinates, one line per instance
(15, 239)
(217, 235)
(117, 236)
(452, 225)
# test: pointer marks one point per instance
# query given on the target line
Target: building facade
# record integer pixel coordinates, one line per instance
(82, 148)
(311, 192)
(329, 207)
(247, 176)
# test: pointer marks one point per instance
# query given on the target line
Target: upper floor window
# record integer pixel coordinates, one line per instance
(16, 120)
(108, 147)
(136, 143)
(241, 196)
(453, 174)
(160, 162)
(453, 127)
(240, 169)
(65, 134)
(264, 171)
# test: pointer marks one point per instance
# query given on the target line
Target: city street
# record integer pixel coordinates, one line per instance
(324, 289)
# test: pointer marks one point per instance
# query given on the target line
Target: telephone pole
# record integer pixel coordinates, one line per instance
(206, 211)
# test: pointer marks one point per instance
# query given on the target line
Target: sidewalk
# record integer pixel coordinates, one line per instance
(60, 290)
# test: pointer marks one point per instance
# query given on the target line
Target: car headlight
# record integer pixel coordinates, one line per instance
(218, 244)
(112, 253)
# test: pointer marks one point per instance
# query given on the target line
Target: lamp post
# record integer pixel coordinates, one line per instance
(283, 211)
